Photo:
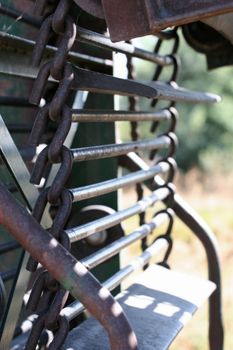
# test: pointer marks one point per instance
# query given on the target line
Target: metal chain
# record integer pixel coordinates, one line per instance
(47, 297)
(135, 134)
(170, 132)
(174, 76)
(133, 106)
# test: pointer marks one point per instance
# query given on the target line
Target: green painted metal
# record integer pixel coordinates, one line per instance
(94, 171)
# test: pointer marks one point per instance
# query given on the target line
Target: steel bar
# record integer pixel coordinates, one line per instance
(8, 275)
(19, 128)
(71, 273)
(112, 185)
(114, 248)
(200, 229)
(104, 223)
(171, 91)
(11, 42)
(86, 80)
(11, 101)
(25, 129)
(104, 42)
(114, 150)
(21, 17)
(103, 83)
(8, 247)
(105, 116)
(74, 309)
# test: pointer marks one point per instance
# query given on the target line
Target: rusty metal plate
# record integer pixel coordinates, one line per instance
(133, 18)
(94, 7)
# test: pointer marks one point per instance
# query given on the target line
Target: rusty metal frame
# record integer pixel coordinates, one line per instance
(72, 275)
(133, 18)
(19, 172)
(201, 230)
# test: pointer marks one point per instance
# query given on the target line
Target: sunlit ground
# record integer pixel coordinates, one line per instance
(212, 198)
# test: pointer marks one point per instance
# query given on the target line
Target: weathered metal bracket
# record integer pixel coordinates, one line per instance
(134, 18)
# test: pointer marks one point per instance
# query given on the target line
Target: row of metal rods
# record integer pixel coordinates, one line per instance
(89, 116)
(76, 308)
(9, 41)
(114, 248)
(98, 40)
(85, 230)
(108, 186)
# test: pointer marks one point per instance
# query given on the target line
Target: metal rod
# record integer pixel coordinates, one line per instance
(102, 83)
(10, 42)
(26, 128)
(104, 223)
(19, 16)
(75, 308)
(111, 116)
(114, 150)
(10, 101)
(96, 39)
(112, 185)
(8, 247)
(8, 275)
(112, 249)
(72, 275)
(19, 128)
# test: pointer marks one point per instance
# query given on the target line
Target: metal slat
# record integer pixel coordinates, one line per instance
(111, 116)
(103, 83)
(8, 247)
(86, 80)
(25, 46)
(114, 150)
(172, 92)
(8, 275)
(114, 248)
(74, 309)
(11, 101)
(96, 39)
(104, 223)
(108, 186)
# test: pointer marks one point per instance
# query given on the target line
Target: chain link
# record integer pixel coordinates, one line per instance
(170, 133)
(135, 134)
(47, 297)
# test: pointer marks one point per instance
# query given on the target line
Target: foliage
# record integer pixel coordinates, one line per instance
(205, 131)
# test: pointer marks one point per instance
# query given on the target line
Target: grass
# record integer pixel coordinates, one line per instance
(212, 200)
